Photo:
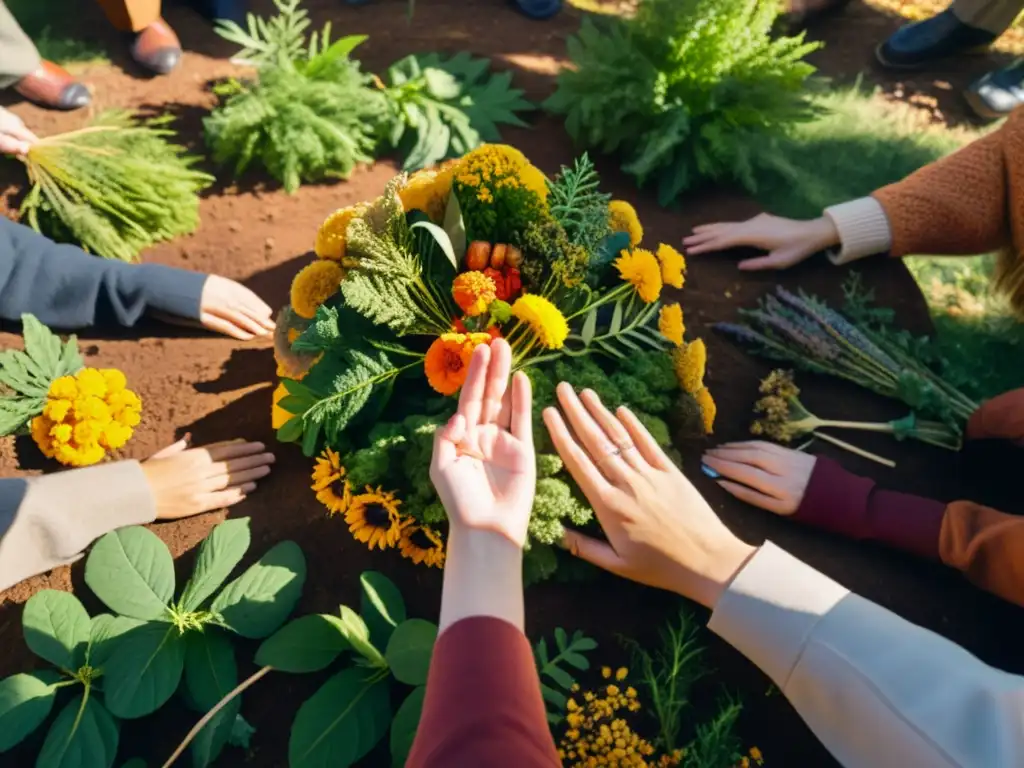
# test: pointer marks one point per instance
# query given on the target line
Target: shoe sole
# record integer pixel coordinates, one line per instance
(980, 108)
(917, 66)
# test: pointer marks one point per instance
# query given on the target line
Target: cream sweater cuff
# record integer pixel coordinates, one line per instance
(863, 229)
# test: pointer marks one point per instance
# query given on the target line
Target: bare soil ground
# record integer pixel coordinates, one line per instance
(218, 389)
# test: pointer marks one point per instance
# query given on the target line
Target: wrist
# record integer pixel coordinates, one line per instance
(483, 576)
(823, 233)
(714, 580)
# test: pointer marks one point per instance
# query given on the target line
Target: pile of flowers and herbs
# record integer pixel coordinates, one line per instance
(376, 341)
(76, 415)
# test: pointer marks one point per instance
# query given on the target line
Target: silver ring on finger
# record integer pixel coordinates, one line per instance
(613, 453)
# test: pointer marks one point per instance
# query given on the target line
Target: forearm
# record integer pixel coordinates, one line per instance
(876, 689)
(48, 521)
(483, 576)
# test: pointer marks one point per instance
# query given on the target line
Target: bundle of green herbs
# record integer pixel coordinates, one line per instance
(115, 187)
(686, 91)
(804, 331)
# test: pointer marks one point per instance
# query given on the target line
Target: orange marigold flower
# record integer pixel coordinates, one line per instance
(447, 361)
(473, 292)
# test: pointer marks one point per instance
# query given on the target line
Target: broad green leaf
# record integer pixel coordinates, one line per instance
(102, 631)
(16, 412)
(291, 431)
(341, 722)
(142, 669)
(56, 628)
(307, 644)
(210, 741)
(84, 735)
(25, 702)
(442, 240)
(454, 226)
(403, 727)
(580, 642)
(589, 327)
(218, 555)
(41, 345)
(381, 606)
(210, 669)
(561, 638)
(256, 603)
(575, 660)
(135, 762)
(560, 676)
(409, 650)
(357, 633)
(132, 572)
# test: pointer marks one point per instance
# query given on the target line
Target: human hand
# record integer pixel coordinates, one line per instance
(763, 474)
(232, 309)
(787, 241)
(189, 481)
(15, 138)
(485, 472)
(660, 530)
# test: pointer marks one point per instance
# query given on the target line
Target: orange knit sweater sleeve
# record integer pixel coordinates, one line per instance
(959, 205)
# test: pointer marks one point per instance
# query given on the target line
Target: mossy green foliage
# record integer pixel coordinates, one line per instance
(51, 25)
(686, 91)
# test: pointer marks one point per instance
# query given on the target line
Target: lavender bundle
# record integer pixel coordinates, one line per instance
(806, 332)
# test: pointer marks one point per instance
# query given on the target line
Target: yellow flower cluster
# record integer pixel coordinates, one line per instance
(622, 218)
(331, 238)
(641, 268)
(597, 734)
(670, 323)
(673, 266)
(314, 284)
(491, 167)
(85, 416)
(755, 758)
(690, 361)
(428, 191)
(543, 318)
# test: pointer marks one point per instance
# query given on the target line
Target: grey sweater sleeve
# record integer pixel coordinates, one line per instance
(47, 521)
(67, 288)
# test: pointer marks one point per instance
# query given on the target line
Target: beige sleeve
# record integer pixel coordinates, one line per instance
(863, 229)
(47, 521)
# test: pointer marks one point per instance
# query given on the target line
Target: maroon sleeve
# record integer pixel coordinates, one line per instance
(483, 705)
(852, 506)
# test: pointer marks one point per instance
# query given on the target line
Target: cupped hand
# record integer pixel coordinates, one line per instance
(660, 530)
(232, 309)
(189, 481)
(788, 241)
(15, 138)
(483, 467)
(763, 474)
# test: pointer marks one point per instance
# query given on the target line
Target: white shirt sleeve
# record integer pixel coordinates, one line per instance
(877, 690)
(863, 229)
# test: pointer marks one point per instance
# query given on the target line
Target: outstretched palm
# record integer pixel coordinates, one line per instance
(483, 466)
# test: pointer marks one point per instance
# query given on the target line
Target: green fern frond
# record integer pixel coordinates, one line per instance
(576, 202)
(277, 41)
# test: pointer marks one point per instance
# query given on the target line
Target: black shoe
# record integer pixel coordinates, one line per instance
(926, 41)
(998, 93)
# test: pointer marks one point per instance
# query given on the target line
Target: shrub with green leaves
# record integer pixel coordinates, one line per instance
(26, 376)
(556, 679)
(155, 640)
(444, 107)
(685, 91)
(311, 114)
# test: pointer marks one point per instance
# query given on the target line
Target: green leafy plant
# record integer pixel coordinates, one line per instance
(351, 712)
(311, 114)
(155, 639)
(57, 629)
(556, 681)
(26, 376)
(576, 202)
(115, 187)
(444, 107)
(685, 91)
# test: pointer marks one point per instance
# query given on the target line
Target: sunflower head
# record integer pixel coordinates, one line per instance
(641, 268)
(670, 323)
(622, 218)
(330, 482)
(314, 285)
(421, 544)
(544, 319)
(473, 292)
(673, 266)
(373, 518)
(447, 361)
(690, 362)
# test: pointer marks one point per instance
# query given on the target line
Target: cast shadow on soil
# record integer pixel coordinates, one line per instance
(244, 368)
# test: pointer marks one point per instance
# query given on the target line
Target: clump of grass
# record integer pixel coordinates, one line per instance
(60, 43)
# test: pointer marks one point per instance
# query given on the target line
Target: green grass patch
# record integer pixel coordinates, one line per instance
(51, 25)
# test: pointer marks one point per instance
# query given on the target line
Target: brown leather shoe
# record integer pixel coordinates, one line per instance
(51, 86)
(157, 48)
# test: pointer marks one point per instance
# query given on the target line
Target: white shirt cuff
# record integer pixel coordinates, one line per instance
(771, 609)
(863, 229)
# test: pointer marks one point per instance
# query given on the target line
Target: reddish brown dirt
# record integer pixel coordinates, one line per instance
(218, 389)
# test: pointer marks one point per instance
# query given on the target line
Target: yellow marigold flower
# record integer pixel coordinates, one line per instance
(40, 428)
(492, 167)
(278, 415)
(331, 237)
(315, 284)
(708, 409)
(533, 178)
(91, 383)
(421, 544)
(62, 433)
(620, 673)
(91, 408)
(690, 363)
(473, 292)
(606, 672)
(373, 518)
(56, 410)
(622, 218)
(114, 435)
(64, 388)
(755, 753)
(544, 318)
(641, 268)
(744, 762)
(670, 323)
(114, 379)
(428, 191)
(87, 432)
(673, 266)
